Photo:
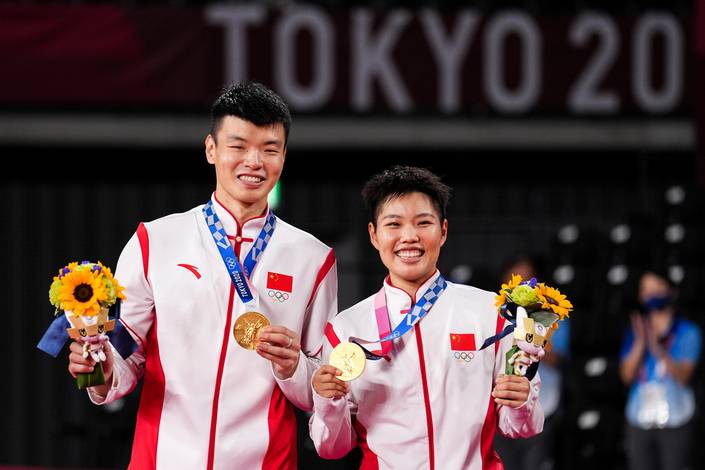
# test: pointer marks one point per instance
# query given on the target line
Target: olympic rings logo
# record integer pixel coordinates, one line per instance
(231, 262)
(465, 356)
(280, 296)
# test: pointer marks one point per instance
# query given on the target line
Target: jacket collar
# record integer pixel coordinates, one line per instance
(250, 229)
(400, 297)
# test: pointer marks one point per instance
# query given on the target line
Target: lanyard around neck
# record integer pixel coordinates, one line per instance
(418, 311)
(239, 274)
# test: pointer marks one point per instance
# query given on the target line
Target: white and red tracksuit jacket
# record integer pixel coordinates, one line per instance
(206, 402)
(430, 404)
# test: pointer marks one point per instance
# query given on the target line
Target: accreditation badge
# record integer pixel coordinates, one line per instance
(653, 412)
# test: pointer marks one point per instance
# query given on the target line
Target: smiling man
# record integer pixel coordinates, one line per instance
(427, 398)
(207, 402)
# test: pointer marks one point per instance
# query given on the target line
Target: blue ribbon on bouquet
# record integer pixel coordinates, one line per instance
(56, 336)
(508, 314)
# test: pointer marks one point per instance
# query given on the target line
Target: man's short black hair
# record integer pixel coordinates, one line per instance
(252, 102)
(400, 180)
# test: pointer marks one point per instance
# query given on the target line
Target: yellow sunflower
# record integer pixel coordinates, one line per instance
(501, 298)
(81, 292)
(552, 299)
(109, 275)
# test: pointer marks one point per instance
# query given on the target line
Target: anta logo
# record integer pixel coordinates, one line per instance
(193, 269)
(280, 286)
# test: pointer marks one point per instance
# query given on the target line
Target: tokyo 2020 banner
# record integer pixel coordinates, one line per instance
(396, 61)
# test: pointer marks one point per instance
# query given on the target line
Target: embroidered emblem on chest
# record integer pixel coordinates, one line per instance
(280, 286)
(463, 346)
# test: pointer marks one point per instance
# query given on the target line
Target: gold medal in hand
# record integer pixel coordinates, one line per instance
(247, 329)
(349, 358)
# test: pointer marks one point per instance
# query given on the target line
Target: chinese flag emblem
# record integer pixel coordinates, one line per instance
(282, 282)
(462, 342)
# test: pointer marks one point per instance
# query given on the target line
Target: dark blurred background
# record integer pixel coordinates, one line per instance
(569, 130)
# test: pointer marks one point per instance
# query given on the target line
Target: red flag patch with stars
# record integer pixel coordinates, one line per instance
(282, 282)
(462, 342)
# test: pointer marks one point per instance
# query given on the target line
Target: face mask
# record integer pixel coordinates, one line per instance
(657, 303)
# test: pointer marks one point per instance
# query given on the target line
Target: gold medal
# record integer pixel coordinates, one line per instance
(350, 358)
(247, 328)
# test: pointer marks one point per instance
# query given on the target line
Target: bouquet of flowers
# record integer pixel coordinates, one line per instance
(84, 291)
(534, 310)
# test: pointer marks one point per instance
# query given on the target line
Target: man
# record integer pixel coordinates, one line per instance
(207, 402)
(432, 400)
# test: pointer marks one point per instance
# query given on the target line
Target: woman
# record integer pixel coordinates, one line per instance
(658, 358)
(431, 399)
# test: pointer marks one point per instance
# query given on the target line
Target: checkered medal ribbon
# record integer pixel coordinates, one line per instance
(216, 226)
(260, 244)
(419, 310)
(238, 274)
(424, 304)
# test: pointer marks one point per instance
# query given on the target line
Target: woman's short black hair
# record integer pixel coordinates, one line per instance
(400, 180)
(252, 102)
(660, 271)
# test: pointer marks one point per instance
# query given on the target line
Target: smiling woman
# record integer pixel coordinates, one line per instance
(425, 328)
(409, 235)
(407, 223)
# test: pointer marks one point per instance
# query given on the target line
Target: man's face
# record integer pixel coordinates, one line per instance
(248, 159)
(409, 236)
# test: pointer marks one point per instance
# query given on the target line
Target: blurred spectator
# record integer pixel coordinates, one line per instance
(658, 358)
(538, 452)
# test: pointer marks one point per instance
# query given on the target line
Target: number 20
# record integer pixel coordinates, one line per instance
(585, 97)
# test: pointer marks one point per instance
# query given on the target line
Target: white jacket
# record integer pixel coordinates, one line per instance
(206, 402)
(428, 406)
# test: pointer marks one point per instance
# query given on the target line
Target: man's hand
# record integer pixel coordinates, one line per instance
(511, 390)
(326, 383)
(281, 346)
(85, 365)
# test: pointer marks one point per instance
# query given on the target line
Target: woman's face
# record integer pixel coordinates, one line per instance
(409, 235)
(652, 286)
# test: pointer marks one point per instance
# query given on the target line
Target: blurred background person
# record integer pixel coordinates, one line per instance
(659, 356)
(538, 452)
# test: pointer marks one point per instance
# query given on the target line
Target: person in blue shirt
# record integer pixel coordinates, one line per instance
(659, 356)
